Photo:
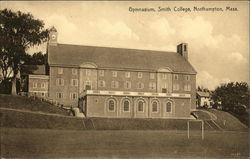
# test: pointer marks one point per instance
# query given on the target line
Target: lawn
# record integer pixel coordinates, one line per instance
(44, 143)
(29, 104)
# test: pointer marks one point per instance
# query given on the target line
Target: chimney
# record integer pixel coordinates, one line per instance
(183, 50)
(53, 36)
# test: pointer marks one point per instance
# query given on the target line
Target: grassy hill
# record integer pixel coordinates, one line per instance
(224, 120)
(29, 104)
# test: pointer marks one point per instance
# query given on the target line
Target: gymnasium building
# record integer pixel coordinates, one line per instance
(118, 82)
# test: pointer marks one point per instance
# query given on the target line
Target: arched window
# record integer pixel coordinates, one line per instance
(169, 107)
(140, 106)
(111, 105)
(126, 106)
(154, 106)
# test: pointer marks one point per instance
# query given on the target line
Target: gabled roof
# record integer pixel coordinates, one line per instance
(203, 94)
(118, 58)
(33, 69)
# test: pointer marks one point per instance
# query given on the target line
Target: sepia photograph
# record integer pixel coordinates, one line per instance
(124, 79)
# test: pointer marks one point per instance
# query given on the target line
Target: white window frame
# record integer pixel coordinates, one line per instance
(139, 74)
(101, 83)
(153, 106)
(176, 77)
(114, 73)
(176, 87)
(60, 70)
(43, 85)
(72, 96)
(72, 82)
(171, 107)
(58, 83)
(127, 74)
(114, 105)
(101, 73)
(151, 75)
(152, 85)
(125, 84)
(59, 94)
(140, 84)
(34, 85)
(187, 77)
(143, 102)
(124, 105)
(187, 87)
(74, 71)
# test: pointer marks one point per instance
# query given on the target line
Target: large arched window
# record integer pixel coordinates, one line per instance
(140, 106)
(126, 106)
(168, 107)
(111, 105)
(154, 106)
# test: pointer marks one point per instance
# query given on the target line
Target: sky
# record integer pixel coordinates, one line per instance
(218, 41)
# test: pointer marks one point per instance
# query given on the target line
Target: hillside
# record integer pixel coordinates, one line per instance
(223, 120)
(29, 104)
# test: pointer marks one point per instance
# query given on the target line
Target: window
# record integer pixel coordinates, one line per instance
(60, 70)
(88, 72)
(73, 95)
(164, 76)
(187, 87)
(34, 85)
(175, 77)
(164, 90)
(101, 83)
(139, 74)
(111, 106)
(152, 76)
(169, 107)
(59, 95)
(114, 84)
(154, 107)
(101, 72)
(187, 77)
(152, 85)
(127, 85)
(88, 85)
(74, 71)
(114, 73)
(140, 85)
(176, 87)
(43, 94)
(59, 82)
(74, 82)
(126, 106)
(127, 74)
(140, 106)
(43, 85)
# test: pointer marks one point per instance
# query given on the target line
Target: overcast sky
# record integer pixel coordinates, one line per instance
(218, 41)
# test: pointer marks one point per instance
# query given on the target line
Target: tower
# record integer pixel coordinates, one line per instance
(53, 36)
(183, 50)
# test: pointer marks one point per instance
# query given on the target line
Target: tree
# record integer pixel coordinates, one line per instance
(18, 32)
(36, 59)
(232, 95)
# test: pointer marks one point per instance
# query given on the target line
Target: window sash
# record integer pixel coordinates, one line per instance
(126, 106)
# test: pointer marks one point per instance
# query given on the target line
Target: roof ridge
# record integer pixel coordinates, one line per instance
(109, 47)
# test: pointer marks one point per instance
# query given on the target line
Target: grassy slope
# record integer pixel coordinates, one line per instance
(30, 104)
(38, 143)
(227, 121)
(17, 119)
